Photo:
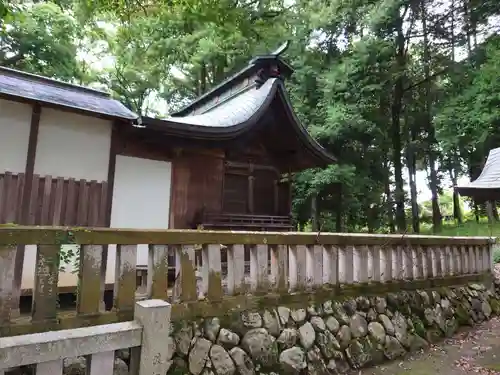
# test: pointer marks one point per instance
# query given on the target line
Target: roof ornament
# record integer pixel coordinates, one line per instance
(281, 49)
(271, 65)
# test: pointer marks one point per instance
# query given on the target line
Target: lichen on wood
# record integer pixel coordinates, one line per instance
(25, 235)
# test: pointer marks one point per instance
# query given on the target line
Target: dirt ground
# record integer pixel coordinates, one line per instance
(474, 351)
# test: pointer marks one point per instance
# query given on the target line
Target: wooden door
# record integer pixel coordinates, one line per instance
(235, 193)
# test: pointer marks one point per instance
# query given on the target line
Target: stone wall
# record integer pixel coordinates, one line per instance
(332, 338)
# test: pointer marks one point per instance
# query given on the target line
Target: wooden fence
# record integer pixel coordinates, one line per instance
(53, 201)
(97, 344)
(300, 262)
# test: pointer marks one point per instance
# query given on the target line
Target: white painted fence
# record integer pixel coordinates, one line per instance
(146, 336)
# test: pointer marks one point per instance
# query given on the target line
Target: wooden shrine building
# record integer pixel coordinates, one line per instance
(73, 156)
(233, 151)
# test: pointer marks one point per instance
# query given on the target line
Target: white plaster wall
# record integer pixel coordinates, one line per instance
(67, 278)
(15, 123)
(70, 146)
(141, 200)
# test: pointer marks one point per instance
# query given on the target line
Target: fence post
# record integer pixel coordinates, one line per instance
(152, 358)
(493, 245)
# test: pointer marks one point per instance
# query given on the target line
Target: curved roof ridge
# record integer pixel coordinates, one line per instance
(235, 111)
(241, 114)
(316, 146)
(489, 177)
(252, 67)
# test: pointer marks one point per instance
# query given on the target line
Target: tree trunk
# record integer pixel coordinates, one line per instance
(399, 194)
(457, 211)
(489, 212)
(453, 171)
(412, 171)
(388, 204)
(338, 218)
(202, 85)
(472, 175)
(436, 212)
(314, 213)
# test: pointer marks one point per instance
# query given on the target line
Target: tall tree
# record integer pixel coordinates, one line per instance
(40, 38)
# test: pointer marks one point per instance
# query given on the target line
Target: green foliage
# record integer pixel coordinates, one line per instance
(469, 118)
(377, 82)
(41, 38)
(69, 256)
(445, 204)
(496, 255)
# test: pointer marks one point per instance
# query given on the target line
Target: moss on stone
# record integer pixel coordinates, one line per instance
(416, 306)
(433, 335)
(462, 314)
(495, 306)
(418, 325)
(451, 326)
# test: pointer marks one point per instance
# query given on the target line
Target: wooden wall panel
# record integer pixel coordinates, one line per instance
(207, 173)
(54, 201)
(235, 193)
(197, 181)
(284, 202)
(11, 196)
(179, 191)
(264, 192)
(197, 176)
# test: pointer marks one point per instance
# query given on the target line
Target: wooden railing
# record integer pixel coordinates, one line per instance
(145, 336)
(298, 262)
(252, 222)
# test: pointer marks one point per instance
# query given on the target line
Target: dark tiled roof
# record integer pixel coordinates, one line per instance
(234, 110)
(237, 114)
(238, 104)
(228, 84)
(18, 84)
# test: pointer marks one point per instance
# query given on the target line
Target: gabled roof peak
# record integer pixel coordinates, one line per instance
(260, 68)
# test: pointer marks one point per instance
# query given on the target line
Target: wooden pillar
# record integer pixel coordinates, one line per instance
(30, 163)
(113, 149)
(251, 180)
(25, 205)
(250, 194)
(276, 197)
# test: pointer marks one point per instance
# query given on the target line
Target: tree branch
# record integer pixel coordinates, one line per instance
(11, 61)
(431, 77)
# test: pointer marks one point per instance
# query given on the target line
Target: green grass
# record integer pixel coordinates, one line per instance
(495, 367)
(471, 228)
